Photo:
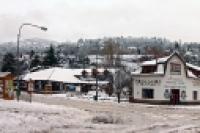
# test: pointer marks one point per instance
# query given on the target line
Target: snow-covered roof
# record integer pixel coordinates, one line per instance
(159, 71)
(193, 66)
(155, 61)
(64, 75)
(190, 74)
(148, 63)
(61, 75)
(39, 75)
(160, 67)
(158, 60)
(4, 74)
(164, 59)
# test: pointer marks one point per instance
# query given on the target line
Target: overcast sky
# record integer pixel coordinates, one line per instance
(74, 19)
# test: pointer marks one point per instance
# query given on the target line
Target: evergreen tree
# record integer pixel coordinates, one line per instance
(176, 46)
(50, 58)
(32, 53)
(9, 63)
(36, 61)
(58, 56)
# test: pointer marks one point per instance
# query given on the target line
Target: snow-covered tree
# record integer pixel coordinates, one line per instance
(36, 61)
(50, 58)
(9, 63)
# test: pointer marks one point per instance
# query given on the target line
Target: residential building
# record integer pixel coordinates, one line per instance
(166, 80)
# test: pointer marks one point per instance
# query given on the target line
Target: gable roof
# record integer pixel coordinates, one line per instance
(160, 64)
(178, 55)
(155, 61)
(161, 60)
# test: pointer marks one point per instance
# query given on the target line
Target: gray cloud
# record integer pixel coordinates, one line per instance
(73, 19)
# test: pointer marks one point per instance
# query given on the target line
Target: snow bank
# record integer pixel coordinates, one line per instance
(36, 117)
(106, 119)
(96, 117)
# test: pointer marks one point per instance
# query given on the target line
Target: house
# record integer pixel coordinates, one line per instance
(61, 79)
(166, 80)
(6, 85)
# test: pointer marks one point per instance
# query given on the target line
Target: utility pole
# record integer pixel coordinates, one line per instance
(96, 97)
(119, 87)
(119, 65)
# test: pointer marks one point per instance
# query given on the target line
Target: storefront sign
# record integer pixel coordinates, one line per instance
(150, 82)
(175, 83)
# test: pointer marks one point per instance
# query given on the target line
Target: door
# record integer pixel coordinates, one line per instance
(175, 96)
(195, 95)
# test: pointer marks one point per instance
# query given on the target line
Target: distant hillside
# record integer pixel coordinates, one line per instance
(26, 45)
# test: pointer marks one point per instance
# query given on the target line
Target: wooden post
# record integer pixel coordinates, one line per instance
(30, 88)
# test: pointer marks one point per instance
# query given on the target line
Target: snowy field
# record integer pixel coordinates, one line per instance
(60, 114)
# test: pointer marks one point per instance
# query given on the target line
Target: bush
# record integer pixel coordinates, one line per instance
(106, 119)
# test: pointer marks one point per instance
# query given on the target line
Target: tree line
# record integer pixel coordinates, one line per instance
(9, 63)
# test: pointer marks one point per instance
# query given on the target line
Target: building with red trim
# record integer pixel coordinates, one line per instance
(6, 85)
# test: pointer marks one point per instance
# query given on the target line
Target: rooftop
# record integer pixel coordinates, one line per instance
(4, 74)
(61, 75)
(158, 65)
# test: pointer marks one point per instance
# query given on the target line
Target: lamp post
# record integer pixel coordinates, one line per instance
(18, 40)
(96, 97)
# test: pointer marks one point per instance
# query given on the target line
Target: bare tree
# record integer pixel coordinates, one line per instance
(111, 48)
(122, 79)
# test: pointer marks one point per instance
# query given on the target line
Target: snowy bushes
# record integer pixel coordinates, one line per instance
(106, 119)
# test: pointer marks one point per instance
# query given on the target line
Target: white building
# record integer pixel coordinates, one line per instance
(166, 80)
(60, 77)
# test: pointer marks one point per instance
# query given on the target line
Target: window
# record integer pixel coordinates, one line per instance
(148, 93)
(195, 95)
(148, 69)
(175, 69)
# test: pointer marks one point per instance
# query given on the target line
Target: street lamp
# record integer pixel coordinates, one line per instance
(18, 40)
(96, 97)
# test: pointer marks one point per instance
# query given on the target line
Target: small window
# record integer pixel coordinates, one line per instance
(148, 93)
(175, 69)
(195, 95)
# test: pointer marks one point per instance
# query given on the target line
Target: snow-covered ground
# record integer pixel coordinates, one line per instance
(59, 114)
(37, 117)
